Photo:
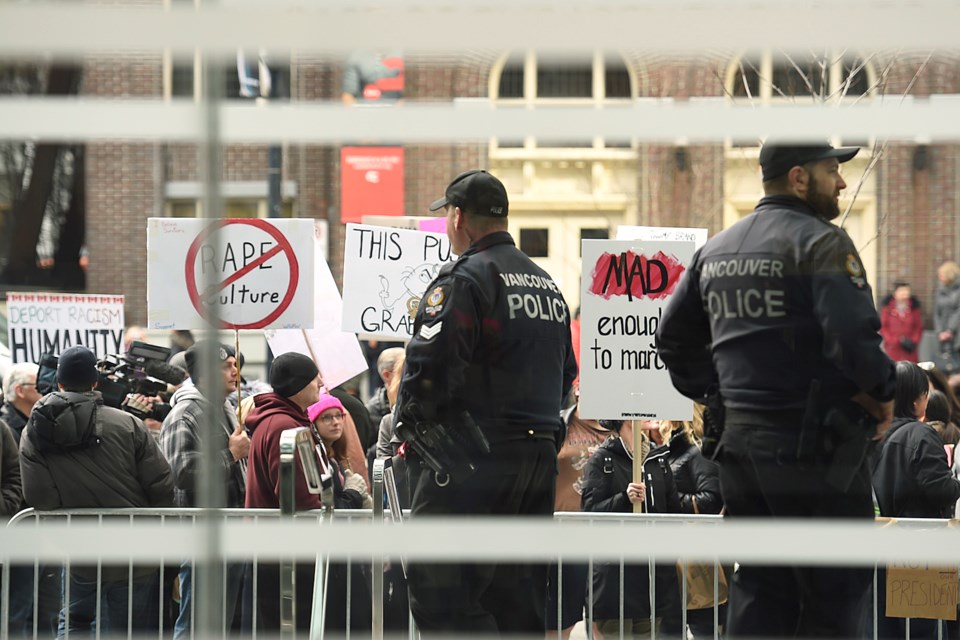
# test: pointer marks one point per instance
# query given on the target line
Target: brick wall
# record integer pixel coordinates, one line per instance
(123, 187)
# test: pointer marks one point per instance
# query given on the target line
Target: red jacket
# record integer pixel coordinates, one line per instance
(271, 415)
(896, 326)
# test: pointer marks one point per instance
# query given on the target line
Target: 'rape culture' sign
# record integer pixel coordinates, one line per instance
(625, 286)
(250, 273)
(40, 323)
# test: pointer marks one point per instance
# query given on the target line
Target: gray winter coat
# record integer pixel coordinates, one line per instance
(946, 310)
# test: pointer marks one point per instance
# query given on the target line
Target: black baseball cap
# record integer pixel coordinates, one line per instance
(478, 192)
(777, 158)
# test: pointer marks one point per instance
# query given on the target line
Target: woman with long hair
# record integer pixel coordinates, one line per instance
(911, 478)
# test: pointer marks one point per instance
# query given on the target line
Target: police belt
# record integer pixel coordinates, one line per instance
(773, 419)
(518, 434)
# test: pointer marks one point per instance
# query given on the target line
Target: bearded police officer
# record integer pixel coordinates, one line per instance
(776, 315)
(487, 369)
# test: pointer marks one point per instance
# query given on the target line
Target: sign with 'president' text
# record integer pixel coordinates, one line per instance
(385, 273)
(40, 323)
(625, 286)
(243, 273)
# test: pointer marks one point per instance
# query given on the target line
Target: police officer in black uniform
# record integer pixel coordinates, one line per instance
(776, 314)
(491, 338)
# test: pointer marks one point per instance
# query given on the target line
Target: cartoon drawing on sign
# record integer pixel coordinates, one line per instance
(413, 280)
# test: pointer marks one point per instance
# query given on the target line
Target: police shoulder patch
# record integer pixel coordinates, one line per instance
(434, 301)
(854, 269)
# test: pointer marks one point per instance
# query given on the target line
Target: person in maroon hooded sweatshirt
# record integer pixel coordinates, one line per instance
(296, 385)
(901, 324)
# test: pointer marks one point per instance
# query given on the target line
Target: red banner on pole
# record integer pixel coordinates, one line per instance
(371, 182)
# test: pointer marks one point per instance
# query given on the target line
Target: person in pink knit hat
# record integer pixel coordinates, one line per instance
(328, 416)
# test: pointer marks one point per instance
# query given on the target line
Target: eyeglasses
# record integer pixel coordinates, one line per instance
(330, 419)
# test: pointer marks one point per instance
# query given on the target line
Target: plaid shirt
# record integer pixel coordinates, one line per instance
(180, 443)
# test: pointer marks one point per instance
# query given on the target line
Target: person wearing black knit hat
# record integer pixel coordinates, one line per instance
(296, 385)
(75, 453)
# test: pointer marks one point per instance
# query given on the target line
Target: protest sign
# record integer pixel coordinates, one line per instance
(337, 353)
(250, 273)
(917, 590)
(41, 323)
(660, 234)
(626, 285)
(385, 272)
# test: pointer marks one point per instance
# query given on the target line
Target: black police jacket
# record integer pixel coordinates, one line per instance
(492, 337)
(777, 300)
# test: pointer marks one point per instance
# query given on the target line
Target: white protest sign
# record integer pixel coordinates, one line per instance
(626, 284)
(337, 353)
(41, 323)
(257, 273)
(659, 234)
(385, 273)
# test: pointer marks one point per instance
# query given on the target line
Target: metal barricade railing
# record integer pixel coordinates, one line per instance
(360, 520)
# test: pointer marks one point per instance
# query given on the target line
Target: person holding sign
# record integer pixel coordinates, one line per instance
(774, 322)
(181, 442)
(487, 369)
(609, 486)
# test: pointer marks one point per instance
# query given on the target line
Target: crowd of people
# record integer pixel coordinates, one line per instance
(812, 404)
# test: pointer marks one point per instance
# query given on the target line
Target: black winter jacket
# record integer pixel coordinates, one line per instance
(605, 478)
(911, 477)
(697, 479)
(77, 453)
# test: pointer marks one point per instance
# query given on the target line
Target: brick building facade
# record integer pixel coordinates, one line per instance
(910, 219)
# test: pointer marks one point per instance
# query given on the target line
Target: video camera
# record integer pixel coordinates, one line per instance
(120, 376)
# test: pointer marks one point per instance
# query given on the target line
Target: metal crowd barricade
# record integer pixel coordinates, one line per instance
(645, 525)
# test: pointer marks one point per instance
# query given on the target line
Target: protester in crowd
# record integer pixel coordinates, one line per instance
(180, 341)
(379, 404)
(327, 415)
(774, 325)
(11, 489)
(20, 395)
(946, 315)
(133, 333)
(901, 323)
(359, 431)
(698, 483)
(911, 479)
(567, 588)
(75, 453)
(387, 441)
(940, 416)
(609, 486)
(181, 440)
(296, 385)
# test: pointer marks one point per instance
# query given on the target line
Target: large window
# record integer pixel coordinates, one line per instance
(530, 77)
(774, 76)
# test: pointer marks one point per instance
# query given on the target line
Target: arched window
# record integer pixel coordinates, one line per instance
(528, 77)
(779, 76)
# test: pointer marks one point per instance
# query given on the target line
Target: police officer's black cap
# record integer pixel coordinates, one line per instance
(777, 158)
(478, 192)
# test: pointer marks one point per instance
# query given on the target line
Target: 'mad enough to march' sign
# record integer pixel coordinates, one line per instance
(626, 285)
(249, 273)
(42, 323)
